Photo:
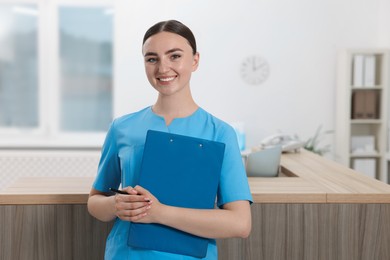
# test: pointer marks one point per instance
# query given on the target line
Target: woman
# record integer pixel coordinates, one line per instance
(170, 57)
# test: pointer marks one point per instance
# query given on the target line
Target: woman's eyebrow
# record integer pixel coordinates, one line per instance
(173, 50)
(150, 53)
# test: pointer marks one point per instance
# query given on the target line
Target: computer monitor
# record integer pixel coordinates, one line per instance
(264, 163)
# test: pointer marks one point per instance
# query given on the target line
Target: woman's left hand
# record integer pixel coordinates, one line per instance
(155, 206)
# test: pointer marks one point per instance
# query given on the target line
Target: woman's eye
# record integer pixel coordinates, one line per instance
(175, 56)
(151, 60)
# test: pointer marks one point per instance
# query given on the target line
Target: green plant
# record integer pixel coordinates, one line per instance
(313, 143)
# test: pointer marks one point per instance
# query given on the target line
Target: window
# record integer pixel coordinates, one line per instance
(18, 66)
(86, 69)
(56, 80)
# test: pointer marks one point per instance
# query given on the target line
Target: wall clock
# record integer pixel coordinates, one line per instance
(254, 70)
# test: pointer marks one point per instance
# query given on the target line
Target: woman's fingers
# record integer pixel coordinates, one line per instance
(130, 190)
(142, 194)
(133, 214)
(142, 191)
(129, 198)
(131, 207)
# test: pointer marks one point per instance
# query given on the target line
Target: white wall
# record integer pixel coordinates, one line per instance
(300, 39)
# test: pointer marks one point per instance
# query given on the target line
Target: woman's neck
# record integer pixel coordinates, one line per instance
(171, 107)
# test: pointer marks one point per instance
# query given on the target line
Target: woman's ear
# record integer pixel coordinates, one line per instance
(195, 63)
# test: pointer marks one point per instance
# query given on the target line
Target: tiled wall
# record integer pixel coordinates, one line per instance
(16, 164)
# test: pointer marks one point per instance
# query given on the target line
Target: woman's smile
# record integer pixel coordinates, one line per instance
(166, 79)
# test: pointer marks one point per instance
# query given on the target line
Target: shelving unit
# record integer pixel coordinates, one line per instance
(361, 111)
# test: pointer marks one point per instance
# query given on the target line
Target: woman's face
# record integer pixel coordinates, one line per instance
(169, 62)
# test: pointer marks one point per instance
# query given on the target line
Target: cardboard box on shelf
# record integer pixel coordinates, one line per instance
(371, 104)
(365, 104)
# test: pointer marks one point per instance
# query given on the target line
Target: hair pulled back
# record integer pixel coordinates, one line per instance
(172, 26)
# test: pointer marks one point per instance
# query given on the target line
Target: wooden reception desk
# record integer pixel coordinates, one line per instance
(316, 209)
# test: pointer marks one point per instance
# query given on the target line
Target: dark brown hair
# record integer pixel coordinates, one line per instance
(172, 26)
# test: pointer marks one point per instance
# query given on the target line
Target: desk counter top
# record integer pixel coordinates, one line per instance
(306, 178)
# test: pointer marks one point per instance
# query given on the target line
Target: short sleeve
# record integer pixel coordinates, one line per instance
(233, 184)
(109, 172)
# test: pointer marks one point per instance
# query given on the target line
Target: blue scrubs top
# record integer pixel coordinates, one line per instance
(121, 160)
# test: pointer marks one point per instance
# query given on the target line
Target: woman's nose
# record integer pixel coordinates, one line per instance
(163, 66)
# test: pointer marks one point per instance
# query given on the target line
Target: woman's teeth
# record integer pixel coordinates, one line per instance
(167, 79)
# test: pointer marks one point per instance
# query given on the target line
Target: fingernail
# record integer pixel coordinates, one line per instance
(148, 207)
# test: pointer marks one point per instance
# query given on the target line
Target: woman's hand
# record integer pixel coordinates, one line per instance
(134, 206)
(154, 207)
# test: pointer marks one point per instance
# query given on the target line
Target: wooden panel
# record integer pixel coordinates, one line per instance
(46, 230)
(5, 233)
(383, 248)
(327, 240)
(309, 232)
(370, 225)
(295, 239)
(313, 231)
(65, 231)
(279, 231)
(40, 232)
(348, 231)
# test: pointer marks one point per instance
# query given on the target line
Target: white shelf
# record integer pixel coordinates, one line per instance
(365, 155)
(348, 104)
(377, 87)
(366, 121)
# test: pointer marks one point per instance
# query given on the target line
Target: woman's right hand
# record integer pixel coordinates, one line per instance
(133, 206)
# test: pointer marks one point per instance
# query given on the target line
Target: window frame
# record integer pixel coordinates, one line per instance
(48, 133)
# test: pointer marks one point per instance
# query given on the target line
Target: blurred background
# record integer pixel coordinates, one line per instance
(67, 68)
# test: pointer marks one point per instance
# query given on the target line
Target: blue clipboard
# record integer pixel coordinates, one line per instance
(180, 171)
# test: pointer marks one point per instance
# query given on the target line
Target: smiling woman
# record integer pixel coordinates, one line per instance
(169, 63)
(170, 58)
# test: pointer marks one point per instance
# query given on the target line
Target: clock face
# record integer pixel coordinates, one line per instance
(254, 70)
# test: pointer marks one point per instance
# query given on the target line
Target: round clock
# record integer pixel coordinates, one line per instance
(254, 70)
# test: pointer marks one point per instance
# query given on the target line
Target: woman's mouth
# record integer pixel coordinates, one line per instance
(166, 79)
